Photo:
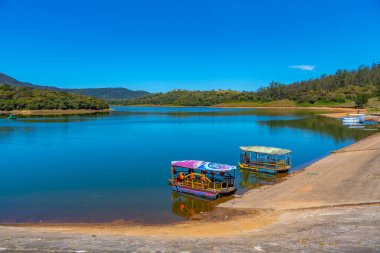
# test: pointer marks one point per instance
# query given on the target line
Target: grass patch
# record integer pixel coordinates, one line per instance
(278, 103)
(374, 104)
(287, 103)
(347, 104)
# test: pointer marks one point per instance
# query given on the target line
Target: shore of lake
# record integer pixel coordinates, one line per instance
(334, 204)
(53, 112)
(335, 109)
(327, 108)
(333, 112)
(338, 229)
(349, 176)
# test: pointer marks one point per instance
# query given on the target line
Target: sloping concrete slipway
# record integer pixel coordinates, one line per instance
(347, 177)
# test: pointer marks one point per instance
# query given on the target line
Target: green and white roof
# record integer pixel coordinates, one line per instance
(265, 150)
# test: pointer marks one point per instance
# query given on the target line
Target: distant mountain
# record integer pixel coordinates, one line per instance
(103, 93)
(4, 79)
(109, 93)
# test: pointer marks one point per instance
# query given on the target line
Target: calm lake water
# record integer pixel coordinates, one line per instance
(115, 166)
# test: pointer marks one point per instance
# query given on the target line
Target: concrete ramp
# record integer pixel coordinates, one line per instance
(348, 176)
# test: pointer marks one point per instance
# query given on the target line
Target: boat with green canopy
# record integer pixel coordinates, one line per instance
(265, 159)
(12, 116)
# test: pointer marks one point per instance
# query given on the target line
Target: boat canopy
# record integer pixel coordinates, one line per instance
(265, 150)
(201, 165)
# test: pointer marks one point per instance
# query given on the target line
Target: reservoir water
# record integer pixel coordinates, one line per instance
(114, 166)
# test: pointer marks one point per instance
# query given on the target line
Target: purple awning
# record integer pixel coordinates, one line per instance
(201, 165)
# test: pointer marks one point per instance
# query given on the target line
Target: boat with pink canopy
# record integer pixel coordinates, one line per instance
(204, 179)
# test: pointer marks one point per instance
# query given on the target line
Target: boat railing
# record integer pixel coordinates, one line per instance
(204, 184)
(275, 164)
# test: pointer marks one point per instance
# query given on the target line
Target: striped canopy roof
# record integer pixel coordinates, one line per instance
(201, 165)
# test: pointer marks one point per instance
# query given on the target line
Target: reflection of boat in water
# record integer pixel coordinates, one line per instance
(188, 206)
(265, 159)
(358, 126)
(203, 179)
(250, 179)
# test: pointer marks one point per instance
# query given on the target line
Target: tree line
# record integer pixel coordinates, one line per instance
(345, 85)
(25, 98)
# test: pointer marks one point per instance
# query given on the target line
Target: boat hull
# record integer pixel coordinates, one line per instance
(203, 194)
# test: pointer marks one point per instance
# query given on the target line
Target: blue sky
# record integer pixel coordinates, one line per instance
(192, 44)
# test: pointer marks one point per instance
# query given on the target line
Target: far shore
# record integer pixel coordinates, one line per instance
(334, 112)
(53, 112)
(331, 112)
(337, 109)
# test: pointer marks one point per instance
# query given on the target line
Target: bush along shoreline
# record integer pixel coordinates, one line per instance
(25, 98)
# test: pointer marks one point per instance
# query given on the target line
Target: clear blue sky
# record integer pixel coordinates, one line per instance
(194, 44)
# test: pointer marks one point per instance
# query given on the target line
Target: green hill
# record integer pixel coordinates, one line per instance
(102, 93)
(109, 93)
(26, 98)
(342, 87)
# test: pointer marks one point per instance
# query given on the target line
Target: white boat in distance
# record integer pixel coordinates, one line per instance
(353, 119)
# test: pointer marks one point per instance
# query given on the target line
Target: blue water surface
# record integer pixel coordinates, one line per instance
(115, 166)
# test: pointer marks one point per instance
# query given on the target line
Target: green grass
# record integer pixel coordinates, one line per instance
(278, 103)
(374, 105)
(347, 104)
(287, 103)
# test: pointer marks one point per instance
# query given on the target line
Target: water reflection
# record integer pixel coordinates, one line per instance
(320, 124)
(254, 179)
(61, 118)
(187, 206)
(210, 111)
(6, 131)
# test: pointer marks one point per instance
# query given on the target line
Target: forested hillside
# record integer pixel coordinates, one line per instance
(109, 93)
(344, 85)
(25, 98)
(102, 93)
